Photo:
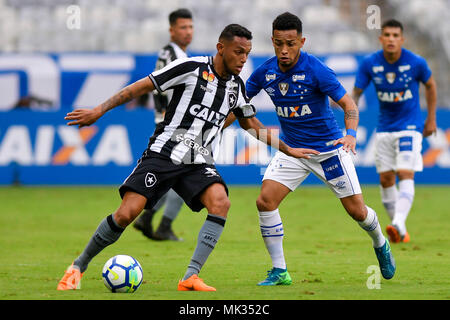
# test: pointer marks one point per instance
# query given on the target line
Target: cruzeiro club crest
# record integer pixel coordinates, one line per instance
(232, 100)
(390, 77)
(284, 87)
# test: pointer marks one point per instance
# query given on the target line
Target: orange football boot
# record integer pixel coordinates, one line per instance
(194, 283)
(394, 235)
(71, 279)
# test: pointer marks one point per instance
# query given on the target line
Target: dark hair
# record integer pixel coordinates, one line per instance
(235, 30)
(392, 23)
(287, 21)
(177, 14)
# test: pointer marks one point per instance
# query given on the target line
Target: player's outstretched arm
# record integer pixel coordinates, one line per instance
(229, 120)
(86, 117)
(351, 119)
(431, 97)
(257, 129)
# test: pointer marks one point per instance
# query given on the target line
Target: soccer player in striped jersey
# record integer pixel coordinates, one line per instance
(180, 154)
(181, 32)
(299, 85)
(397, 73)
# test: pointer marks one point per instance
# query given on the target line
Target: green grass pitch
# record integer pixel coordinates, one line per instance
(42, 230)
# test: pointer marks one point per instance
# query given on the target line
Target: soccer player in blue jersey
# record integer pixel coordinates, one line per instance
(299, 85)
(396, 73)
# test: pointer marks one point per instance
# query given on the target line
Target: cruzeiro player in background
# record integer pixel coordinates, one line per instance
(181, 32)
(180, 154)
(299, 86)
(396, 73)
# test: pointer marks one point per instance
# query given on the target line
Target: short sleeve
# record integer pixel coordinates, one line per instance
(363, 77)
(252, 85)
(173, 74)
(328, 83)
(423, 71)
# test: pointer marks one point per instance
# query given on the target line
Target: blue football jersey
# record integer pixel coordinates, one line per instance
(397, 87)
(300, 96)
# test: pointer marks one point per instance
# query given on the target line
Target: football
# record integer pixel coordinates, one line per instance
(122, 273)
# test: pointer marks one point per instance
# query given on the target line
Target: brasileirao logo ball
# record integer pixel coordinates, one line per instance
(122, 273)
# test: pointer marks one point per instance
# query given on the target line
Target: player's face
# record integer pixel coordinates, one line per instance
(391, 39)
(181, 32)
(235, 54)
(287, 45)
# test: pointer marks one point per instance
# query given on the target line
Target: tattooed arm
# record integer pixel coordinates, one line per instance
(351, 119)
(86, 117)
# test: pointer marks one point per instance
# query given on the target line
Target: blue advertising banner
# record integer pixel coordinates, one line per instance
(37, 147)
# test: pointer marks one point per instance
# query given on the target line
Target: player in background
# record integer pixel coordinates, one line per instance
(181, 32)
(396, 73)
(180, 154)
(299, 85)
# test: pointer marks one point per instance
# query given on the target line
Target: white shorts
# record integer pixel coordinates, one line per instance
(398, 150)
(335, 168)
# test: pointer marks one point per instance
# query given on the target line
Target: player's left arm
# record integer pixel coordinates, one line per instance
(351, 119)
(254, 127)
(229, 120)
(431, 97)
(86, 117)
(356, 94)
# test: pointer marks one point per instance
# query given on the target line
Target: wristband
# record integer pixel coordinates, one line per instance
(351, 132)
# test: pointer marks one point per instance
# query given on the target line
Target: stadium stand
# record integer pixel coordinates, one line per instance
(139, 26)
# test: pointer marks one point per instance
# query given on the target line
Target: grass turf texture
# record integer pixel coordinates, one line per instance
(43, 229)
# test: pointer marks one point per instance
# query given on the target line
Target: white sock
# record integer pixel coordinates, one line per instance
(404, 203)
(389, 199)
(372, 227)
(272, 233)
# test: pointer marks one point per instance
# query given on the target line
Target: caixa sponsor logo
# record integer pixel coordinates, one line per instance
(204, 113)
(394, 96)
(293, 112)
(62, 145)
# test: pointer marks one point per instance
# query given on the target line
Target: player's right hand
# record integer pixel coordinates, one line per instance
(302, 152)
(348, 143)
(82, 117)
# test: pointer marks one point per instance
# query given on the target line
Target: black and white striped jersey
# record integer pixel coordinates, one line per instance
(166, 55)
(201, 101)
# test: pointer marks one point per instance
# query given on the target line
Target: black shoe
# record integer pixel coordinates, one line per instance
(165, 234)
(144, 223)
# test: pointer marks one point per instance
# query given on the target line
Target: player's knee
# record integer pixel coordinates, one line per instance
(220, 206)
(387, 180)
(121, 218)
(125, 215)
(264, 203)
(405, 175)
(358, 212)
(355, 207)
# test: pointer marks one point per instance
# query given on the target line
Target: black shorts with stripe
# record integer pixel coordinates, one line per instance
(154, 175)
